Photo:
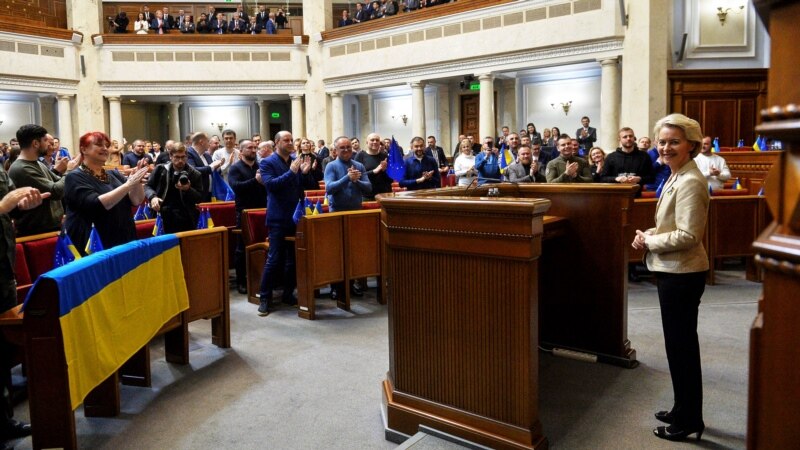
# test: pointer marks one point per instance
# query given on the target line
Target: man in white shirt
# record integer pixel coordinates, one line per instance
(712, 166)
(228, 154)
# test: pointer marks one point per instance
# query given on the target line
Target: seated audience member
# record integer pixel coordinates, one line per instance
(250, 193)
(374, 159)
(487, 163)
(131, 159)
(661, 170)
(566, 167)
(538, 153)
(627, 164)
(158, 24)
(187, 26)
(219, 25)
(253, 27)
(411, 5)
(360, 14)
(28, 171)
(120, 23)
(237, 25)
(597, 158)
(272, 26)
(421, 170)
(309, 179)
(525, 169)
(141, 25)
(174, 190)
(99, 197)
(376, 12)
(464, 165)
(712, 166)
(202, 26)
(345, 20)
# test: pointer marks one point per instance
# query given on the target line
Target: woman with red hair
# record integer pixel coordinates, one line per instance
(101, 197)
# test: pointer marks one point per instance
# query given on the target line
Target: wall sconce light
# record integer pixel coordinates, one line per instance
(722, 13)
(219, 125)
(404, 118)
(564, 105)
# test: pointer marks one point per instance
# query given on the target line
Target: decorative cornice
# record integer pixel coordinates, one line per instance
(51, 85)
(538, 57)
(145, 87)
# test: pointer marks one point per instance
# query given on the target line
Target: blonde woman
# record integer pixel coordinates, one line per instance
(464, 166)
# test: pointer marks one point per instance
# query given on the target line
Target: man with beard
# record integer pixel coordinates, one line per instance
(566, 167)
(627, 164)
(174, 191)
(525, 169)
(28, 171)
(245, 181)
(131, 159)
(421, 170)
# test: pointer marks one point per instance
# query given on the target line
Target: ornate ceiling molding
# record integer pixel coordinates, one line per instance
(193, 87)
(37, 84)
(529, 58)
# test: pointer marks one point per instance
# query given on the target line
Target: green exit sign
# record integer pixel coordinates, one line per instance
(276, 115)
(475, 87)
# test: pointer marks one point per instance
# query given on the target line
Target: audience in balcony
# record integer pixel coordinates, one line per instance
(261, 16)
(186, 26)
(237, 25)
(146, 14)
(169, 18)
(272, 24)
(345, 20)
(280, 19)
(202, 26)
(242, 13)
(219, 25)
(253, 27)
(141, 25)
(181, 18)
(159, 25)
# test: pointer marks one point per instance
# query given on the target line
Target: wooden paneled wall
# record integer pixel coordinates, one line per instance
(51, 13)
(725, 102)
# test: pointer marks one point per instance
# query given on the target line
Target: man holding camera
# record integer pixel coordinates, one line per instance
(173, 191)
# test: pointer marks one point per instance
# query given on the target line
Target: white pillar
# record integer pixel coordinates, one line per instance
(418, 109)
(65, 122)
(263, 119)
(174, 131)
(609, 105)
(115, 119)
(337, 115)
(298, 118)
(487, 127)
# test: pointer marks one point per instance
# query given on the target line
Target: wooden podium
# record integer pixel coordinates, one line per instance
(463, 317)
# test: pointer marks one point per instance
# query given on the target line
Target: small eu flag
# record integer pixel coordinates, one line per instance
(94, 244)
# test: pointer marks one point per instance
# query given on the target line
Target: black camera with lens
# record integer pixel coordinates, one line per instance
(182, 176)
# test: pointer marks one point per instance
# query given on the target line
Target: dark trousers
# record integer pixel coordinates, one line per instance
(280, 261)
(679, 298)
(239, 262)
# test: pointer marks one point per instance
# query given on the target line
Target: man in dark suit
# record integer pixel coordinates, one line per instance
(199, 158)
(253, 27)
(147, 15)
(242, 14)
(237, 25)
(345, 20)
(158, 24)
(219, 25)
(586, 135)
(169, 18)
(361, 14)
(180, 19)
(262, 16)
(437, 153)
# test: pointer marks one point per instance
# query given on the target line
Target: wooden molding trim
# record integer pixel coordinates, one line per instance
(16, 26)
(198, 39)
(420, 15)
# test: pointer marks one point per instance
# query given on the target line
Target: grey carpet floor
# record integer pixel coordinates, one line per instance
(289, 383)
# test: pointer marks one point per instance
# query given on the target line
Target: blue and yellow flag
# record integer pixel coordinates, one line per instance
(395, 166)
(317, 209)
(65, 250)
(757, 144)
(716, 145)
(220, 190)
(158, 228)
(94, 244)
(113, 303)
(204, 221)
(309, 207)
(140, 213)
(761, 191)
(738, 185)
(660, 188)
(299, 212)
(505, 158)
(762, 144)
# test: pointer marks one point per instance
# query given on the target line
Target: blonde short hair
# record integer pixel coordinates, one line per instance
(690, 127)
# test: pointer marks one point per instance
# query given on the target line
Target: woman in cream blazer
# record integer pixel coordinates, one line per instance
(676, 255)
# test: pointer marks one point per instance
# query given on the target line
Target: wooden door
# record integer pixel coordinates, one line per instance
(470, 115)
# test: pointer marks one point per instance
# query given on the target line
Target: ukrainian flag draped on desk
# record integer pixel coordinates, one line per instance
(112, 303)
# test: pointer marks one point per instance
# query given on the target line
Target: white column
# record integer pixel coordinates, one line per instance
(174, 131)
(65, 122)
(298, 118)
(263, 119)
(337, 115)
(609, 105)
(418, 109)
(487, 127)
(115, 119)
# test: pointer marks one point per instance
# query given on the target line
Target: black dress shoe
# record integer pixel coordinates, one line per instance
(673, 433)
(14, 430)
(665, 416)
(356, 291)
(242, 289)
(334, 294)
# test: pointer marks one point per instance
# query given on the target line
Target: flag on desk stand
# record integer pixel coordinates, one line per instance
(65, 250)
(710, 191)
(158, 228)
(140, 213)
(220, 190)
(309, 207)
(738, 185)
(204, 221)
(716, 145)
(659, 189)
(395, 168)
(317, 208)
(94, 244)
(299, 212)
(148, 212)
(762, 144)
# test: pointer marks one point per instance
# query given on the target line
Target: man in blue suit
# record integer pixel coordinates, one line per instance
(199, 158)
(422, 171)
(237, 24)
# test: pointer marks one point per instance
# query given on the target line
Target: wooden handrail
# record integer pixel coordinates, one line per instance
(411, 17)
(199, 39)
(13, 25)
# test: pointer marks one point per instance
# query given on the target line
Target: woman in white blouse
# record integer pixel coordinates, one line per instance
(141, 25)
(464, 167)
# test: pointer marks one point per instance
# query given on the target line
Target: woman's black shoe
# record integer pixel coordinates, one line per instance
(665, 416)
(675, 434)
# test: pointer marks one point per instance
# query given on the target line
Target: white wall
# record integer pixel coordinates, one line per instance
(14, 114)
(398, 102)
(236, 118)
